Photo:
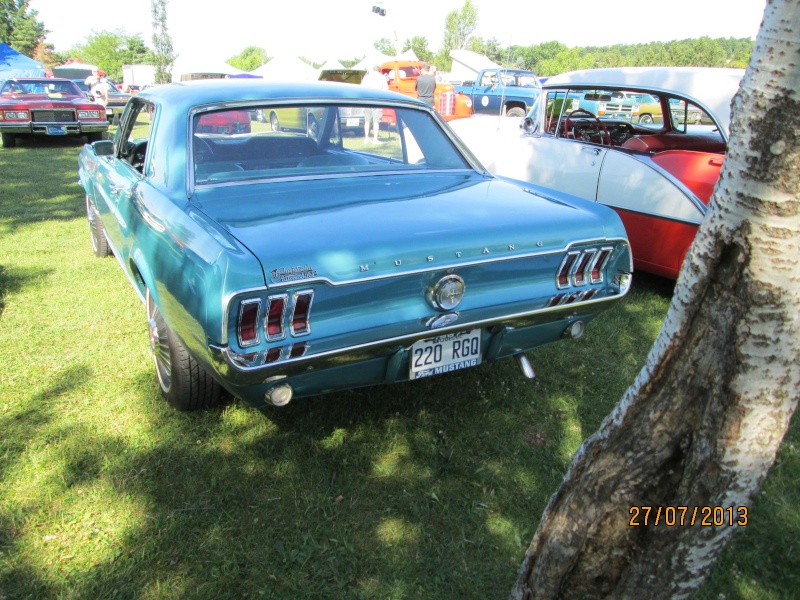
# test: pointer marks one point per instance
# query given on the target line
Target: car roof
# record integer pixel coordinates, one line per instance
(712, 88)
(213, 91)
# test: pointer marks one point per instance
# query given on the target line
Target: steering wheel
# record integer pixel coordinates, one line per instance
(202, 150)
(583, 112)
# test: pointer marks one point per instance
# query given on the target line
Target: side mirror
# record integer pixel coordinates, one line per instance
(103, 148)
(529, 126)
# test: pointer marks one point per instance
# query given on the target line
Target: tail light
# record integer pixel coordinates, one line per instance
(272, 355)
(248, 322)
(447, 103)
(562, 278)
(274, 318)
(579, 268)
(582, 268)
(297, 350)
(301, 312)
(275, 311)
(596, 273)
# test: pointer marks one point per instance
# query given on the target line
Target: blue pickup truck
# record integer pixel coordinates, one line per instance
(507, 92)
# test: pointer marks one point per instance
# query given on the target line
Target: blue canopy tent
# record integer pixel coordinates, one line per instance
(14, 64)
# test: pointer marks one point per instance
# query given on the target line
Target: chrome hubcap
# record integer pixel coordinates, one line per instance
(159, 345)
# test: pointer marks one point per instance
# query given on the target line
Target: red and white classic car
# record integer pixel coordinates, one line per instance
(655, 160)
(46, 106)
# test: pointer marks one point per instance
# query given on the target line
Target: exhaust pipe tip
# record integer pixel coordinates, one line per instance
(280, 395)
(525, 366)
(575, 330)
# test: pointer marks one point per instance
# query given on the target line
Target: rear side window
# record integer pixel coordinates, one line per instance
(268, 142)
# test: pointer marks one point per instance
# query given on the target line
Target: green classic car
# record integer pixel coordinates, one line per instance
(278, 264)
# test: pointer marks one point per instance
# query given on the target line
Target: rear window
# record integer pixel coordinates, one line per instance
(268, 142)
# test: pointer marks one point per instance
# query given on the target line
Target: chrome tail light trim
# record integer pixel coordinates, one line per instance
(274, 320)
(300, 320)
(253, 321)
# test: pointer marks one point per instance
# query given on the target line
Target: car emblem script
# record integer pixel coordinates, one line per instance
(446, 293)
(287, 274)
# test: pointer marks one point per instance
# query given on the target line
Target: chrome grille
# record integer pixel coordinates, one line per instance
(53, 116)
(618, 107)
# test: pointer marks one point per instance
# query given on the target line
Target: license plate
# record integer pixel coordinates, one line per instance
(352, 121)
(445, 353)
(56, 130)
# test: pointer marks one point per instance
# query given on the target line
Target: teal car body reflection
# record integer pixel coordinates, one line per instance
(278, 264)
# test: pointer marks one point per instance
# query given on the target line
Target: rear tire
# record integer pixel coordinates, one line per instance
(9, 140)
(515, 112)
(96, 231)
(184, 383)
(274, 123)
(646, 119)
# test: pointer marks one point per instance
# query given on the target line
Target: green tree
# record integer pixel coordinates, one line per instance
(162, 42)
(459, 25)
(419, 44)
(531, 57)
(386, 46)
(572, 59)
(19, 26)
(250, 58)
(109, 50)
(489, 48)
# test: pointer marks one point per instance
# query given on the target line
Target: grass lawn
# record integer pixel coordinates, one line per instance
(428, 489)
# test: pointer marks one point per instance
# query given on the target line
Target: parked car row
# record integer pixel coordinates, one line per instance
(279, 256)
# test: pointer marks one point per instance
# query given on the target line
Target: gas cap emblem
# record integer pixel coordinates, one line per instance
(446, 293)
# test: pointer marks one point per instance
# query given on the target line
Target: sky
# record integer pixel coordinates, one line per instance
(321, 30)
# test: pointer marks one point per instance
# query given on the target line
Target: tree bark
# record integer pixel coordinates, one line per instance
(702, 423)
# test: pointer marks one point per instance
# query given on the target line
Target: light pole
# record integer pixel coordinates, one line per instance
(379, 10)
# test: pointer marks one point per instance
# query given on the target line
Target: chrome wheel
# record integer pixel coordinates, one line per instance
(159, 345)
(96, 231)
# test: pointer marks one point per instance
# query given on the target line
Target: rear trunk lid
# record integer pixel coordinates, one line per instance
(346, 229)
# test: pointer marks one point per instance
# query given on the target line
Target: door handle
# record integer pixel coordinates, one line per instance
(592, 150)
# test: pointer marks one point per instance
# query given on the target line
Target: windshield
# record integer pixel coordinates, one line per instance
(50, 88)
(267, 142)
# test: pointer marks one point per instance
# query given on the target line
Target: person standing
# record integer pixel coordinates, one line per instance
(375, 80)
(426, 85)
(97, 86)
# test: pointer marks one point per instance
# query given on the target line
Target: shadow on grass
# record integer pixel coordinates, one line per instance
(32, 193)
(428, 489)
(13, 280)
(399, 491)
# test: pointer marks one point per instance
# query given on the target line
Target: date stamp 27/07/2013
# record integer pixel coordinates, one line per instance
(683, 516)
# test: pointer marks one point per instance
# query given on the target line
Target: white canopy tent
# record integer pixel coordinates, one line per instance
(188, 69)
(286, 68)
(373, 57)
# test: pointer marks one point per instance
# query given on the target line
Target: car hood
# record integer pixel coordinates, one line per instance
(345, 229)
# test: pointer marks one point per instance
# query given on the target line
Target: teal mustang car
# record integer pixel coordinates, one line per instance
(284, 262)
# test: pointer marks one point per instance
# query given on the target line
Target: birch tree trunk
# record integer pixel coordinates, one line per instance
(702, 423)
